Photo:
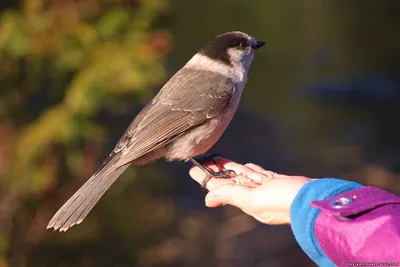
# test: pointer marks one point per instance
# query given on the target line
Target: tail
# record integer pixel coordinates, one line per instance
(82, 202)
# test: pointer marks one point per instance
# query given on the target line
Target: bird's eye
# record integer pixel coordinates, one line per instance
(244, 44)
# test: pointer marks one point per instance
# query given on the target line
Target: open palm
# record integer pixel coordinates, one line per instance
(263, 194)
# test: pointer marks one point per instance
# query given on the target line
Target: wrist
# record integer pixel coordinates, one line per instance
(297, 183)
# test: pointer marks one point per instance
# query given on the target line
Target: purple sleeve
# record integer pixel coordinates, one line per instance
(362, 225)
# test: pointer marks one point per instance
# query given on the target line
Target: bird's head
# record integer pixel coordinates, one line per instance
(232, 48)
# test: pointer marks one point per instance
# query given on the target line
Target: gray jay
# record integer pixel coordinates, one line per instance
(184, 120)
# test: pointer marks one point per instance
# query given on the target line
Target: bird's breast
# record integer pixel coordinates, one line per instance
(200, 139)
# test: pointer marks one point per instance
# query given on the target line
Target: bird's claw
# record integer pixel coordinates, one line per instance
(218, 175)
(224, 174)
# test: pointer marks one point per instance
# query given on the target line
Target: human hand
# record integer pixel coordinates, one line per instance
(267, 197)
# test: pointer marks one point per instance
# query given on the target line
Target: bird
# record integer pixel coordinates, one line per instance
(184, 120)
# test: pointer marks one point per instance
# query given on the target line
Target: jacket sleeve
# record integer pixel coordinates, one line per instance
(340, 223)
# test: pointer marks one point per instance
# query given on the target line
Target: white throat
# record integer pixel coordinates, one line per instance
(237, 72)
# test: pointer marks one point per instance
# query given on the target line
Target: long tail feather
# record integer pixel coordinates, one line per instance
(82, 202)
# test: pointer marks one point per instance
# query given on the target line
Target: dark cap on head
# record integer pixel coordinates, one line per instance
(217, 48)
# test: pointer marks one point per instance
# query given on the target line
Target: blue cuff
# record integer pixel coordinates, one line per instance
(303, 216)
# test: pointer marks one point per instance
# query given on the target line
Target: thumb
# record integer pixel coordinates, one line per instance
(231, 194)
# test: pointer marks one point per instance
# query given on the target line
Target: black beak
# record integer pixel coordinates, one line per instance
(258, 44)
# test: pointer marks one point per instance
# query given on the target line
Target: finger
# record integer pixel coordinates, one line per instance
(260, 169)
(240, 169)
(236, 195)
(255, 167)
(198, 175)
(227, 164)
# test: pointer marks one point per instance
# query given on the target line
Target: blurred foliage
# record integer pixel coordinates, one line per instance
(63, 62)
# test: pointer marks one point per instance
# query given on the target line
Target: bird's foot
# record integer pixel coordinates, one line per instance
(225, 174)
(219, 175)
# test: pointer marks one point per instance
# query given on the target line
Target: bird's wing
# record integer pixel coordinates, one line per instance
(188, 99)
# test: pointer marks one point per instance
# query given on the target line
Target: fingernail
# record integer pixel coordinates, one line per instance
(212, 197)
(211, 200)
(213, 203)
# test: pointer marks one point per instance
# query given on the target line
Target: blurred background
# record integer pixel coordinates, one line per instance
(322, 100)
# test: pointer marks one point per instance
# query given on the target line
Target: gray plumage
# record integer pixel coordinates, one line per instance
(184, 120)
